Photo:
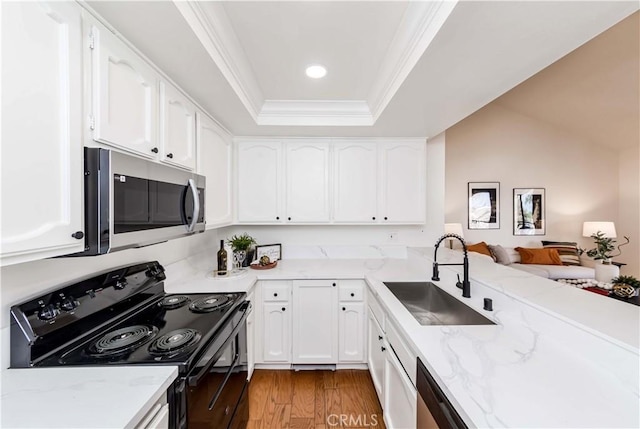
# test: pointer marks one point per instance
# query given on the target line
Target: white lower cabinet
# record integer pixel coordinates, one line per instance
(376, 358)
(315, 321)
(351, 339)
(276, 332)
(251, 338)
(400, 395)
(157, 417)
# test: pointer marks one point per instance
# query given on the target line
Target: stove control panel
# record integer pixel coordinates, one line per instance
(48, 312)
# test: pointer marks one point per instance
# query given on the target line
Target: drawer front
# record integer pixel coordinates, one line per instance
(351, 290)
(276, 292)
(406, 358)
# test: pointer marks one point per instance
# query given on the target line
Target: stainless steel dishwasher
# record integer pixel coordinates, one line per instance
(434, 409)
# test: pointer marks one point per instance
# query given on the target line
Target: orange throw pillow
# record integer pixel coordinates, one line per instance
(539, 256)
(480, 248)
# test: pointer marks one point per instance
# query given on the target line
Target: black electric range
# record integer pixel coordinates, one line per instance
(124, 317)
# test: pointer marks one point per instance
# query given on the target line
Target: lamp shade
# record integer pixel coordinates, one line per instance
(606, 228)
(453, 228)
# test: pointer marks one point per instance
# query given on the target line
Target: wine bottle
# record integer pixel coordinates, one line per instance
(222, 260)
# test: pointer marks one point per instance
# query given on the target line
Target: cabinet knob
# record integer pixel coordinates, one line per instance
(275, 294)
(344, 309)
(169, 155)
(288, 218)
(385, 218)
(284, 308)
(373, 218)
(382, 349)
(333, 284)
(352, 294)
(277, 217)
(380, 337)
(154, 150)
(78, 235)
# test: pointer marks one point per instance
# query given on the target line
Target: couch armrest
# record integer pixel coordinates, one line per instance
(586, 261)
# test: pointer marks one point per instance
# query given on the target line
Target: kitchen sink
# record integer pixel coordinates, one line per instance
(430, 305)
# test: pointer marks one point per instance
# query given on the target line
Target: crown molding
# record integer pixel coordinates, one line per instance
(315, 113)
(421, 23)
(216, 34)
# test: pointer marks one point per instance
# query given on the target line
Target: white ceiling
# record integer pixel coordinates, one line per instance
(442, 64)
(281, 39)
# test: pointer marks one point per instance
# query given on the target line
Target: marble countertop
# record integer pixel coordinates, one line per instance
(81, 397)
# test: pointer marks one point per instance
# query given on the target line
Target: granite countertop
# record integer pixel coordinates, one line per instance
(81, 397)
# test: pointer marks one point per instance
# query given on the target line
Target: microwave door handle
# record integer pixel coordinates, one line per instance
(215, 397)
(196, 205)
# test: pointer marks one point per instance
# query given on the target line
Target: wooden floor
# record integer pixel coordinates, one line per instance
(313, 400)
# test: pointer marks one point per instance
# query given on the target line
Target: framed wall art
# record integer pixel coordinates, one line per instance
(484, 205)
(528, 211)
(273, 251)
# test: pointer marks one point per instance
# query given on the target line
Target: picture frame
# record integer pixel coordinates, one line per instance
(483, 205)
(273, 251)
(529, 208)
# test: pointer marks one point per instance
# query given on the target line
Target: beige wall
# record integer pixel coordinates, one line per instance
(629, 209)
(498, 145)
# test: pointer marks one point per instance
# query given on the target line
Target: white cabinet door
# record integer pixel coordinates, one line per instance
(307, 180)
(178, 125)
(125, 95)
(403, 182)
(315, 321)
(400, 395)
(276, 332)
(214, 162)
(41, 166)
(376, 347)
(355, 190)
(259, 190)
(351, 340)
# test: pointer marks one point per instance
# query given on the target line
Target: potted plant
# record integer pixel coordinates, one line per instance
(626, 286)
(605, 272)
(242, 251)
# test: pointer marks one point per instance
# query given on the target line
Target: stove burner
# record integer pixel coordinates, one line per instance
(174, 301)
(209, 303)
(174, 342)
(122, 340)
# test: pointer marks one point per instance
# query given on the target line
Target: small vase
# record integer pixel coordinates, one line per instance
(606, 272)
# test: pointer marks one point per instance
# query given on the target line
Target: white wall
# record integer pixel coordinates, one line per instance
(629, 210)
(499, 145)
(21, 282)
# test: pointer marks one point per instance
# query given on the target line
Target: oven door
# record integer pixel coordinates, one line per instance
(216, 391)
(434, 409)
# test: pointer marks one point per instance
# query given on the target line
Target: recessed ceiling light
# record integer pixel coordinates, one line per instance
(316, 71)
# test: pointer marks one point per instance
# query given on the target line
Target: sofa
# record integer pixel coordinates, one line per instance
(574, 266)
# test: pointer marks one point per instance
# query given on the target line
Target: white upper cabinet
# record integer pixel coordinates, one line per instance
(178, 124)
(41, 166)
(214, 162)
(259, 189)
(355, 172)
(307, 182)
(125, 95)
(403, 181)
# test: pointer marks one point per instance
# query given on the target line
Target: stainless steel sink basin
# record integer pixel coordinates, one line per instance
(430, 305)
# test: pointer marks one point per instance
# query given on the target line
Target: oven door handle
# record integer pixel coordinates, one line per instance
(215, 397)
(195, 379)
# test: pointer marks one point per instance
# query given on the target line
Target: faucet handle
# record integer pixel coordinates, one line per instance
(436, 274)
(458, 283)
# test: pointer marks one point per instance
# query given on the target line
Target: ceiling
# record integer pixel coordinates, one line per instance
(593, 92)
(394, 68)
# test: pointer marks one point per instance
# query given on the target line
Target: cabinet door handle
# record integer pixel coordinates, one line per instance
(352, 294)
(344, 309)
(277, 217)
(382, 349)
(78, 235)
(169, 155)
(275, 294)
(284, 309)
(333, 284)
(154, 150)
(385, 218)
(380, 337)
(374, 218)
(288, 218)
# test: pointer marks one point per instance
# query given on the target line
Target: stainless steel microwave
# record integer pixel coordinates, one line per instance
(131, 202)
